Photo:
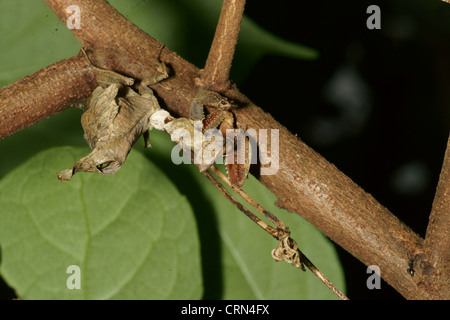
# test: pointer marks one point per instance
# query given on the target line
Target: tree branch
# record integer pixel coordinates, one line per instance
(216, 74)
(434, 262)
(43, 94)
(305, 183)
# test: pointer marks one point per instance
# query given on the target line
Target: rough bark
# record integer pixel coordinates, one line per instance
(434, 261)
(43, 94)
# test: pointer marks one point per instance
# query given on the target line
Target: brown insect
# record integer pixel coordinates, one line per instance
(222, 117)
(115, 116)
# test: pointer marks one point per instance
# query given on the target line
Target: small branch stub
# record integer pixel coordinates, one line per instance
(216, 73)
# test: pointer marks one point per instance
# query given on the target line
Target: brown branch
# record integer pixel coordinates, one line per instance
(119, 45)
(216, 74)
(305, 183)
(43, 94)
(434, 262)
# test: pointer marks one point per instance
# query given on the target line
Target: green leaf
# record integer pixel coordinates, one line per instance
(132, 234)
(60, 130)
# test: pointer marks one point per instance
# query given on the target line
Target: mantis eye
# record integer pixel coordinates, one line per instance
(103, 165)
(109, 167)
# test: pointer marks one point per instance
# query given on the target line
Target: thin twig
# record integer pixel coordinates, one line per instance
(216, 74)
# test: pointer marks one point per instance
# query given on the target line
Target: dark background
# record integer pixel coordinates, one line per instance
(375, 103)
(386, 122)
